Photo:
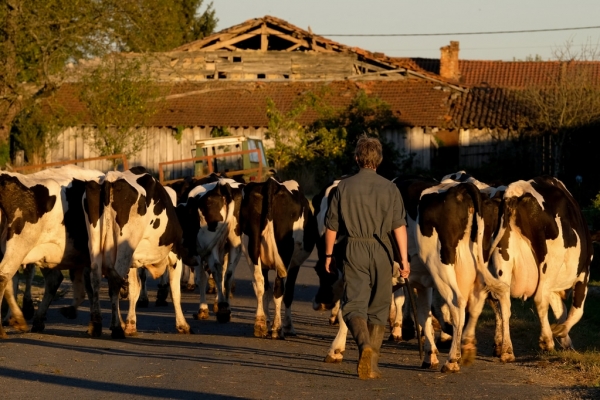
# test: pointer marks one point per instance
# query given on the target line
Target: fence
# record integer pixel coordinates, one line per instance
(66, 162)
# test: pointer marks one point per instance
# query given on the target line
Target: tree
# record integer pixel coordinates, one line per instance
(159, 25)
(567, 102)
(39, 37)
(324, 148)
(120, 97)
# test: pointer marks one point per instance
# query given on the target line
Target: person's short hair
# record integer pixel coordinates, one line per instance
(368, 152)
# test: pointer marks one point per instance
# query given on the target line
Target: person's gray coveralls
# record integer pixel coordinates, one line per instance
(368, 207)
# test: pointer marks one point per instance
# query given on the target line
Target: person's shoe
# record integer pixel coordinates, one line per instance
(358, 327)
(376, 333)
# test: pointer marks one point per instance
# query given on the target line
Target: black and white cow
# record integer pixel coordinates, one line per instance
(543, 250)
(278, 233)
(211, 230)
(445, 223)
(42, 223)
(132, 223)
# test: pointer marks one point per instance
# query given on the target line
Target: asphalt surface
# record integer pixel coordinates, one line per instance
(225, 361)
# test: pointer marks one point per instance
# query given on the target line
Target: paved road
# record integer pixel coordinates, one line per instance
(225, 361)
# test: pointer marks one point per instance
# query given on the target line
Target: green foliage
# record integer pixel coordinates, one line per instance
(39, 37)
(178, 134)
(324, 149)
(162, 25)
(4, 152)
(36, 130)
(220, 131)
(120, 97)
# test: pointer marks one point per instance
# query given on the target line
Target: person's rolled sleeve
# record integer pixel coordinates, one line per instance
(332, 218)
(399, 214)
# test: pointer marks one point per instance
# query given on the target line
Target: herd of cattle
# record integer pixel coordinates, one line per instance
(468, 243)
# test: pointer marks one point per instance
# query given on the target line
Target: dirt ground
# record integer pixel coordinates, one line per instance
(225, 361)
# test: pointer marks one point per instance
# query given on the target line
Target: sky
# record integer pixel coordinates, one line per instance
(328, 17)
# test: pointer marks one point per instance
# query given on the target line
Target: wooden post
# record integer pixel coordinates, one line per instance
(19, 158)
(264, 39)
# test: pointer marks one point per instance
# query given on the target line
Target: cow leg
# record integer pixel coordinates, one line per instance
(335, 355)
(163, 290)
(542, 303)
(396, 315)
(469, 344)
(117, 325)
(560, 312)
(95, 325)
(76, 276)
(175, 282)
(456, 305)
(579, 294)
(495, 305)
(278, 291)
(28, 308)
(506, 353)
(258, 283)
(288, 298)
(134, 294)
(53, 278)
(202, 277)
(424, 299)
(14, 285)
(16, 320)
(334, 318)
(143, 301)
(218, 267)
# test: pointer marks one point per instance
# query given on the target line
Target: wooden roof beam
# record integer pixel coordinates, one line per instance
(235, 40)
(264, 38)
(292, 39)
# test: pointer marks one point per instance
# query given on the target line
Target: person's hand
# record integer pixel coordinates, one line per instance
(329, 264)
(404, 269)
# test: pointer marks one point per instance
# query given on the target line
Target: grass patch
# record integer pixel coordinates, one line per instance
(583, 364)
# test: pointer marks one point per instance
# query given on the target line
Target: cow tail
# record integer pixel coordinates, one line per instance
(492, 284)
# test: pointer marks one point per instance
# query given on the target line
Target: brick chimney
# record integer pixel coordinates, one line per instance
(449, 62)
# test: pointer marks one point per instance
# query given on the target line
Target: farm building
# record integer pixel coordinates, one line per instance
(449, 110)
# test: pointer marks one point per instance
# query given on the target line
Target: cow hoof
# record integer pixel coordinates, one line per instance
(336, 358)
(142, 303)
(131, 332)
(394, 338)
(260, 330)
(277, 334)
(507, 357)
(497, 351)
(161, 303)
(201, 314)
(3, 334)
(190, 288)
(450, 367)
(117, 333)
(468, 357)
(290, 332)
(224, 316)
(19, 324)
(427, 365)
(184, 330)
(37, 327)
(69, 312)
(559, 330)
(94, 329)
(28, 308)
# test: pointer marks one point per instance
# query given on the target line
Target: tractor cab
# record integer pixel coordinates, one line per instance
(236, 156)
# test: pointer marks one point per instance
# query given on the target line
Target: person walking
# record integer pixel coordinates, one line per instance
(367, 207)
